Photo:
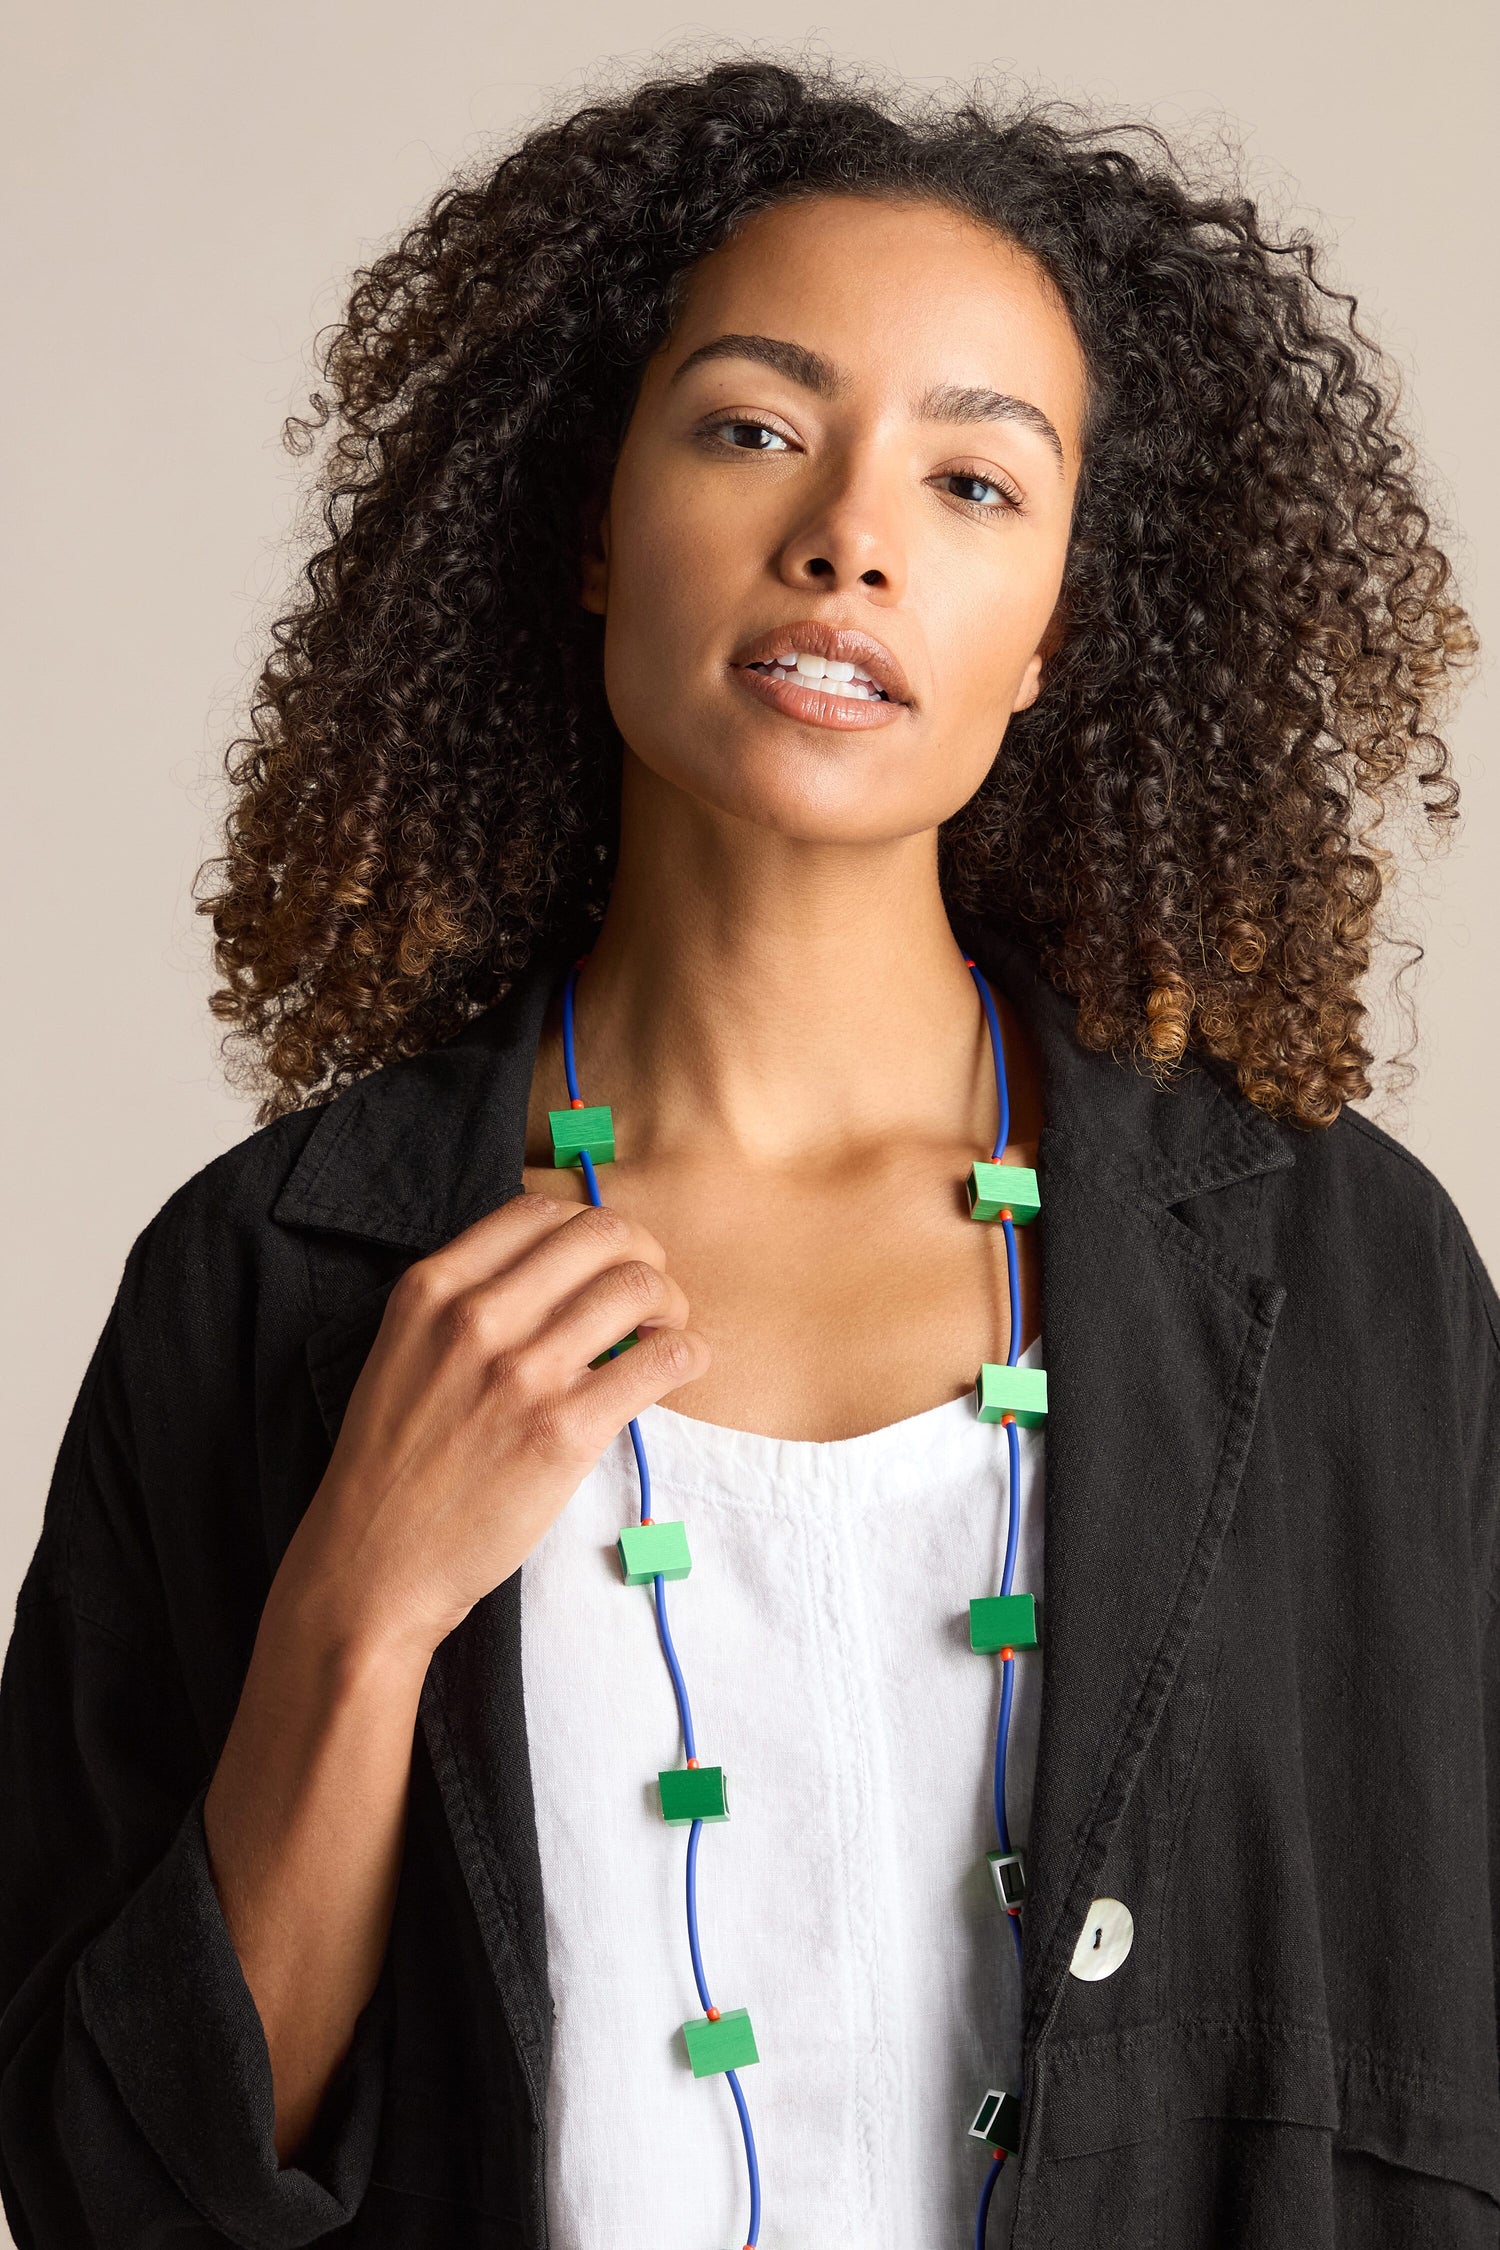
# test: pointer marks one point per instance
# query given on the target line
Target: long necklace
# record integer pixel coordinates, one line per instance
(655, 1549)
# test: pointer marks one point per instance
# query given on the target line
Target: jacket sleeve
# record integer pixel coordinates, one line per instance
(136, 2097)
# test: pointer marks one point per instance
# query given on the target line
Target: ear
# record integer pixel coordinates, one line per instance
(593, 569)
(1036, 664)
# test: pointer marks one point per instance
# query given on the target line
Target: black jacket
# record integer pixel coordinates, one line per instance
(1270, 1717)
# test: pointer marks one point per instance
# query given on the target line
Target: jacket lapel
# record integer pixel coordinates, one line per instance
(1155, 1340)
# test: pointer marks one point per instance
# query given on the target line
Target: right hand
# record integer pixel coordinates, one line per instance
(476, 1415)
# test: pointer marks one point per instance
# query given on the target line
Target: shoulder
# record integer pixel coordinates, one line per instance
(219, 1223)
(1388, 1298)
(1355, 1188)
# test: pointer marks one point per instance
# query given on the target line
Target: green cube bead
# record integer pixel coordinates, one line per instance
(574, 1130)
(625, 1342)
(693, 1793)
(1002, 1621)
(726, 2045)
(654, 1550)
(1018, 1391)
(994, 1188)
(998, 2121)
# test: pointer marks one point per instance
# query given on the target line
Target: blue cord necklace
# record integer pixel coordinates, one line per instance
(653, 1550)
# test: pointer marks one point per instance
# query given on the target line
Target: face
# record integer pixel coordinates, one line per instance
(859, 447)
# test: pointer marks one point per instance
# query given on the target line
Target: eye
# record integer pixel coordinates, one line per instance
(746, 435)
(1004, 497)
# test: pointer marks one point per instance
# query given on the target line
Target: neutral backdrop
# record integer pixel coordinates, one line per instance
(188, 187)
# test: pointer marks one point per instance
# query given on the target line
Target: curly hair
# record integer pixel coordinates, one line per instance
(1259, 637)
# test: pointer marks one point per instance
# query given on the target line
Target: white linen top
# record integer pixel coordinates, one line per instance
(846, 1901)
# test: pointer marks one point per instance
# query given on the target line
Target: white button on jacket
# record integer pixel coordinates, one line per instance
(1106, 1939)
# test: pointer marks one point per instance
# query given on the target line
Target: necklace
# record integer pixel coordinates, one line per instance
(653, 1549)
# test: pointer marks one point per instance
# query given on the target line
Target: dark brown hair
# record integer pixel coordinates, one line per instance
(1260, 628)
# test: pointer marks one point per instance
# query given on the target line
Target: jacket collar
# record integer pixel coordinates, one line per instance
(419, 1150)
(1156, 1334)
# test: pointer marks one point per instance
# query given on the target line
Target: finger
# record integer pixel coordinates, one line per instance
(558, 1262)
(505, 1311)
(493, 1245)
(603, 1312)
(606, 1398)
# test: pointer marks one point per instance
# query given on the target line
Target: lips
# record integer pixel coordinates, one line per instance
(814, 637)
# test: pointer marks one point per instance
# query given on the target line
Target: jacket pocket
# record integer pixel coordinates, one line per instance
(1237, 2134)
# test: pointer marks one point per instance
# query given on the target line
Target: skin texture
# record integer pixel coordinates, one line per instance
(775, 1007)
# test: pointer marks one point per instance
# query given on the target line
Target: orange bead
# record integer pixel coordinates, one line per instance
(1006, 1654)
(692, 1761)
(577, 1104)
(713, 2015)
(1006, 1420)
(1005, 1212)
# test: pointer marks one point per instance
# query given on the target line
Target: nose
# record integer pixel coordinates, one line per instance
(848, 540)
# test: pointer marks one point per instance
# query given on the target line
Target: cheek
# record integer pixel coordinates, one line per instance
(992, 620)
(662, 605)
(668, 552)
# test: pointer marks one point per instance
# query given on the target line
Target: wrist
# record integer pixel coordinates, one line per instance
(320, 1603)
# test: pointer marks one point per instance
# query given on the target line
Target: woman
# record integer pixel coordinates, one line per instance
(851, 646)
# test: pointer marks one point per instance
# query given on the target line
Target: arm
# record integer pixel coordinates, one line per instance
(304, 1820)
(194, 1999)
(136, 2100)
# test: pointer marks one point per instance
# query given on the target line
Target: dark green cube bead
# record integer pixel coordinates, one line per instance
(994, 1188)
(1008, 1869)
(654, 1550)
(693, 1793)
(1002, 1621)
(1017, 1391)
(574, 1130)
(615, 1349)
(998, 2121)
(726, 2045)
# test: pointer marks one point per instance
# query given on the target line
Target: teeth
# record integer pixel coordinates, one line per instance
(832, 674)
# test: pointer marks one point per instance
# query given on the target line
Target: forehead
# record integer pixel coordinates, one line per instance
(902, 294)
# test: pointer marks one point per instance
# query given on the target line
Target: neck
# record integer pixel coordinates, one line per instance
(776, 999)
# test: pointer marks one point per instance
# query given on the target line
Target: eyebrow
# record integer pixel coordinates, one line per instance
(944, 402)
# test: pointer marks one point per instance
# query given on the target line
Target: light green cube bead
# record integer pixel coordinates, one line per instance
(574, 1130)
(654, 1550)
(1020, 1391)
(693, 1793)
(726, 2045)
(994, 1188)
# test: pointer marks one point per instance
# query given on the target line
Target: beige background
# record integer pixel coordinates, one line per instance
(189, 184)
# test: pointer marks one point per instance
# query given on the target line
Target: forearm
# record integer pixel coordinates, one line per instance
(304, 1819)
